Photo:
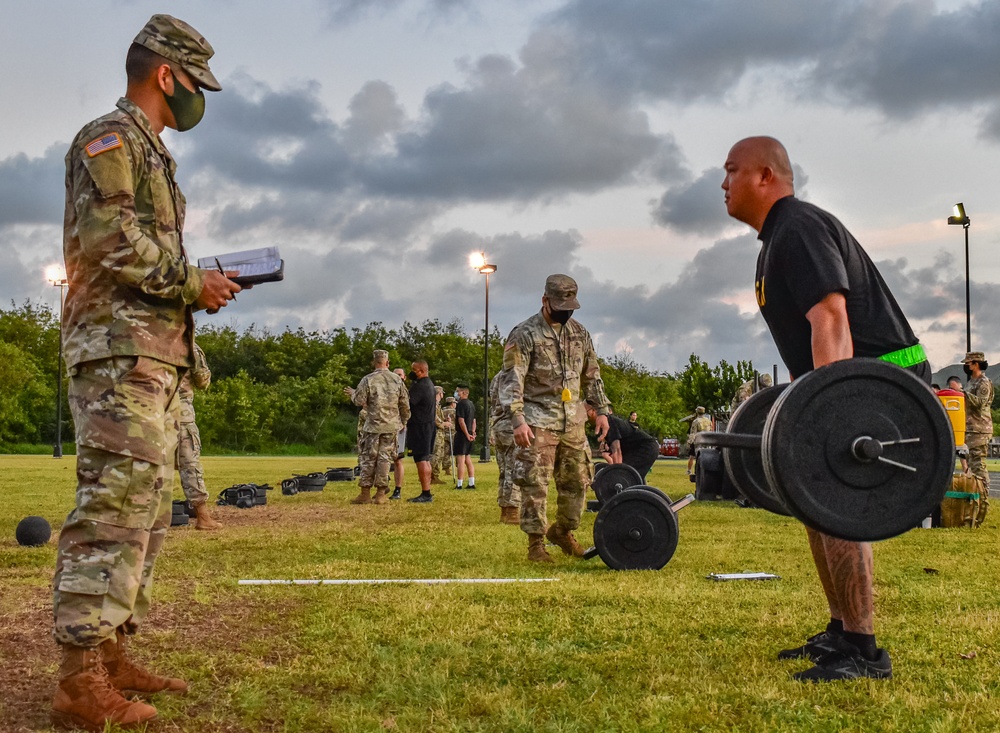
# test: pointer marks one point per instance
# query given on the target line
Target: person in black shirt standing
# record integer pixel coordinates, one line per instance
(465, 435)
(420, 427)
(823, 300)
(627, 443)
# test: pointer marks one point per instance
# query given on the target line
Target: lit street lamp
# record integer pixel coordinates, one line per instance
(478, 261)
(959, 218)
(56, 275)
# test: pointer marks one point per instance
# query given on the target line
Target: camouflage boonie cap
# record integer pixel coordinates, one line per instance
(561, 292)
(176, 41)
(974, 356)
(380, 355)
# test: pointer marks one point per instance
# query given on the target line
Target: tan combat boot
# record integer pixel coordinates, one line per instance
(381, 496)
(536, 549)
(510, 515)
(85, 697)
(203, 519)
(565, 540)
(129, 677)
(365, 497)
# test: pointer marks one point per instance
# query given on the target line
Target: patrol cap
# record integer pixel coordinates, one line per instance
(449, 400)
(380, 355)
(561, 292)
(176, 41)
(974, 356)
(765, 380)
(700, 410)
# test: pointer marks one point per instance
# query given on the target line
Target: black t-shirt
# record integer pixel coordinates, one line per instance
(806, 255)
(626, 433)
(422, 403)
(467, 411)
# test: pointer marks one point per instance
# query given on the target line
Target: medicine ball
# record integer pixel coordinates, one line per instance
(33, 531)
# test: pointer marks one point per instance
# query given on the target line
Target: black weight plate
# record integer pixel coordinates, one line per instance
(636, 530)
(708, 475)
(809, 460)
(613, 479)
(746, 467)
(598, 467)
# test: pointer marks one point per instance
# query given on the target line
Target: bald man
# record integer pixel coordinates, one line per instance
(823, 300)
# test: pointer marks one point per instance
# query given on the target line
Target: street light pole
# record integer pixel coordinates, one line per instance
(57, 276)
(959, 217)
(478, 260)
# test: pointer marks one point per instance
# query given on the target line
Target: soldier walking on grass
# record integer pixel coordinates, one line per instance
(502, 439)
(189, 443)
(387, 408)
(550, 369)
(978, 422)
(129, 338)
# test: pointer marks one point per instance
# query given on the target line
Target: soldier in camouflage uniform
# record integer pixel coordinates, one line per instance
(549, 369)
(440, 435)
(502, 439)
(978, 422)
(700, 424)
(382, 394)
(444, 450)
(746, 389)
(128, 337)
(189, 443)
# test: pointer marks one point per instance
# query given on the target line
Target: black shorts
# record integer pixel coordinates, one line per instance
(420, 441)
(461, 446)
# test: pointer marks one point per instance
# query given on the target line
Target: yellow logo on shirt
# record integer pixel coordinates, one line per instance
(758, 289)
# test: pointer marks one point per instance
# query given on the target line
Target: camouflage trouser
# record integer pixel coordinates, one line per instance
(441, 457)
(565, 455)
(189, 464)
(376, 457)
(126, 413)
(508, 493)
(977, 467)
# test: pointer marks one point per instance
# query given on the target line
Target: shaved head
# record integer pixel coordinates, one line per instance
(758, 173)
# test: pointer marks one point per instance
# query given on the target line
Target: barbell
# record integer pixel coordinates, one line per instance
(858, 449)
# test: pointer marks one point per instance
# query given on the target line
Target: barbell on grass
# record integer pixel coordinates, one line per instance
(859, 449)
(613, 478)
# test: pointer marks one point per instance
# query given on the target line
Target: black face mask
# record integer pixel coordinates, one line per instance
(967, 369)
(413, 376)
(561, 317)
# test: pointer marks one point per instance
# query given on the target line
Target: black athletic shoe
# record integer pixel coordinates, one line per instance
(458, 488)
(815, 647)
(847, 663)
(471, 487)
(421, 499)
(395, 494)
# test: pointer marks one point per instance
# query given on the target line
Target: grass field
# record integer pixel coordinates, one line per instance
(595, 650)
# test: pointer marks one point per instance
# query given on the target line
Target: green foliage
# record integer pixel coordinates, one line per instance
(711, 387)
(630, 386)
(29, 354)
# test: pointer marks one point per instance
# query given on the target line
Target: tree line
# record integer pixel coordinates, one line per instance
(282, 393)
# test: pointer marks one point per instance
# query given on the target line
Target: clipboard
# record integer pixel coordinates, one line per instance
(253, 266)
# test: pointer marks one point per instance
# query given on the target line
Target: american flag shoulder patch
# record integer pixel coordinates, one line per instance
(103, 144)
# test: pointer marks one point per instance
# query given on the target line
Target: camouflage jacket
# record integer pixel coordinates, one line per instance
(499, 414)
(383, 394)
(743, 393)
(538, 364)
(449, 416)
(700, 424)
(130, 284)
(978, 418)
(198, 377)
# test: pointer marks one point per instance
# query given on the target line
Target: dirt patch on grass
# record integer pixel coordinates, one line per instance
(29, 658)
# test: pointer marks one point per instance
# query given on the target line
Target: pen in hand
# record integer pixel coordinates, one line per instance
(219, 265)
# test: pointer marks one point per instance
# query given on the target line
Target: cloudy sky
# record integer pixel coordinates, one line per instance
(379, 142)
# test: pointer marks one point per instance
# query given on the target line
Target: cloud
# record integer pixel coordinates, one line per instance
(346, 12)
(31, 189)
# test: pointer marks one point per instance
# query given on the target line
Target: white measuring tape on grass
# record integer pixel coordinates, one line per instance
(397, 581)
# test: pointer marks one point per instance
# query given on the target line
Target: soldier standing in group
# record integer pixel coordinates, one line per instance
(700, 424)
(978, 422)
(439, 460)
(745, 390)
(549, 369)
(502, 439)
(189, 443)
(382, 394)
(128, 337)
(445, 450)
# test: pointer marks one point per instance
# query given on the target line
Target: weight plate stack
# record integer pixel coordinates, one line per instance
(614, 479)
(312, 482)
(290, 486)
(179, 516)
(636, 530)
(744, 466)
(859, 449)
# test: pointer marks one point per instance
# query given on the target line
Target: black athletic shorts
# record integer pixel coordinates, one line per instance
(461, 446)
(420, 440)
